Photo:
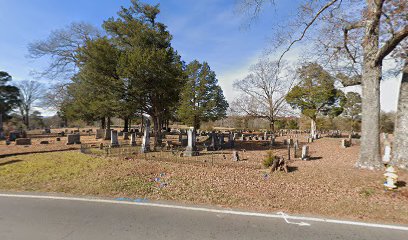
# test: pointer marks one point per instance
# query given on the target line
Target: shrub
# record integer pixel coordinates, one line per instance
(268, 161)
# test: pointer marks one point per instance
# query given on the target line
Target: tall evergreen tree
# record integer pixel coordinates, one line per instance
(202, 98)
(97, 88)
(9, 97)
(151, 66)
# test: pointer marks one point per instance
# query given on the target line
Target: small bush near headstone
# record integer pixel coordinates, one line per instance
(268, 161)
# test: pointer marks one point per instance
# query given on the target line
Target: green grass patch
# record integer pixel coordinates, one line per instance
(42, 171)
(367, 192)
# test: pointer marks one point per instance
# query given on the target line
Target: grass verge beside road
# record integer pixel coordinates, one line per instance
(326, 187)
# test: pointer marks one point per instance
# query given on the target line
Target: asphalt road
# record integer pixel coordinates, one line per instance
(42, 219)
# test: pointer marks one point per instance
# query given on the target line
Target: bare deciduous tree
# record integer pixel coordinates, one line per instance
(370, 31)
(30, 92)
(263, 91)
(61, 47)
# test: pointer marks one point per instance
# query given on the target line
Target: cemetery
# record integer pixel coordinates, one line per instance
(226, 167)
(116, 111)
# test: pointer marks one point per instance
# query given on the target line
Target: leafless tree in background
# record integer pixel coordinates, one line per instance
(370, 31)
(263, 91)
(30, 93)
(61, 47)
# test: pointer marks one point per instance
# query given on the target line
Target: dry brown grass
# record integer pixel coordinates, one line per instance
(327, 186)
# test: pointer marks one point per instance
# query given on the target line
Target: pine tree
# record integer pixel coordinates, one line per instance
(202, 98)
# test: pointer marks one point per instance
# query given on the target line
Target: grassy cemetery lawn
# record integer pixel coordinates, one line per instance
(328, 185)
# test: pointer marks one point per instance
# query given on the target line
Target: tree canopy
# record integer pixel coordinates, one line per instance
(9, 95)
(316, 94)
(202, 98)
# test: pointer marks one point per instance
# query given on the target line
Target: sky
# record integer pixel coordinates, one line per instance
(206, 30)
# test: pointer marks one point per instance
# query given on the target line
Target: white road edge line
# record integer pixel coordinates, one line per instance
(231, 212)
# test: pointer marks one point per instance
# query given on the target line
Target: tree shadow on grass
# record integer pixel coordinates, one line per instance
(10, 162)
(292, 169)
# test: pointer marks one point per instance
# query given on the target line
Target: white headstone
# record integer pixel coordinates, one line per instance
(305, 152)
(387, 154)
(191, 143)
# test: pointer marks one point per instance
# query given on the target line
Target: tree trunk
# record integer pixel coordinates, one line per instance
(371, 77)
(313, 128)
(108, 124)
(27, 119)
(126, 124)
(400, 154)
(196, 123)
(157, 131)
(272, 126)
(1, 125)
(103, 123)
(370, 125)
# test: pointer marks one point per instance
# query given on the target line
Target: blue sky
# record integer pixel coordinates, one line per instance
(206, 30)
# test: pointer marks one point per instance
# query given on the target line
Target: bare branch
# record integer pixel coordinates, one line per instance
(391, 43)
(308, 25)
(346, 29)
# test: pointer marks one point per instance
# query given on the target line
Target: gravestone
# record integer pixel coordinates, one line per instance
(273, 140)
(231, 140)
(23, 141)
(214, 142)
(125, 136)
(184, 142)
(295, 148)
(288, 151)
(387, 154)
(191, 149)
(235, 156)
(305, 152)
(133, 139)
(221, 140)
(114, 138)
(100, 133)
(107, 134)
(146, 137)
(290, 141)
(14, 135)
(73, 139)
